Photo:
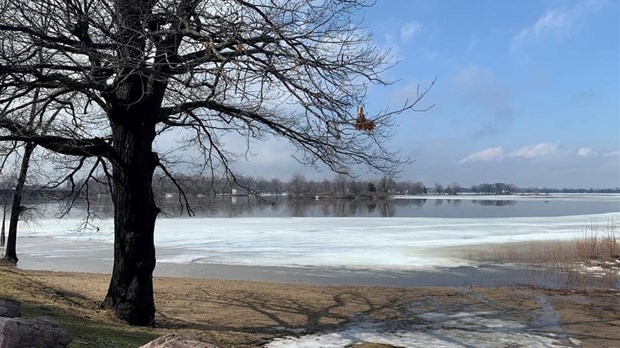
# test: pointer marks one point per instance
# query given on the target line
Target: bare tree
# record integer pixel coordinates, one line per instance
(16, 207)
(326, 188)
(341, 183)
(453, 189)
(5, 188)
(3, 229)
(298, 186)
(276, 186)
(203, 69)
(386, 184)
(35, 121)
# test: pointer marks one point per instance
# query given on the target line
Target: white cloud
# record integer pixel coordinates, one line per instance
(586, 152)
(557, 24)
(497, 153)
(589, 152)
(409, 30)
(490, 154)
(533, 151)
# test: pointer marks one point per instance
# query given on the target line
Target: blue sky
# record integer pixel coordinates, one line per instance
(527, 92)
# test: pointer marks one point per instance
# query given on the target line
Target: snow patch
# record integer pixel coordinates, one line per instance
(463, 329)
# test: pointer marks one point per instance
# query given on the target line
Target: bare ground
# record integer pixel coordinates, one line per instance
(250, 314)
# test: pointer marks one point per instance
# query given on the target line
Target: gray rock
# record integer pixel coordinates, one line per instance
(39, 332)
(10, 308)
(177, 341)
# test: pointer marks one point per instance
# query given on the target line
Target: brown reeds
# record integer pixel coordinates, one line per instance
(591, 259)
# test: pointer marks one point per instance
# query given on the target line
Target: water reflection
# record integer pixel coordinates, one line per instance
(279, 206)
(387, 209)
(418, 202)
(297, 208)
(371, 206)
(499, 203)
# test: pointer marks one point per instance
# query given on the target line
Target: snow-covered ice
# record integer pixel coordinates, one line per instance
(394, 243)
(581, 197)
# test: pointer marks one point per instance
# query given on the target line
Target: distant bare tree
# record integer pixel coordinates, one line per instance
(298, 186)
(386, 184)
(276, 186)
(454, 189)
(418, 188)
(371, 188)
(326, 187)
(341, 183)
(202, 69)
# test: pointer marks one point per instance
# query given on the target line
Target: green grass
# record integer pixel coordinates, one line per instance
(88, 326)
(91, 333)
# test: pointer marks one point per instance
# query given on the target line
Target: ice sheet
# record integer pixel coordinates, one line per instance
(581, 197)
(393, 243)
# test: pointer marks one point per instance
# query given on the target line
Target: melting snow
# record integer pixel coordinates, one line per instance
(476, 329)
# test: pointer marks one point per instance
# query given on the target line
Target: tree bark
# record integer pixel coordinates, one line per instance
(2, 234)
(130, 293)
(16, 207)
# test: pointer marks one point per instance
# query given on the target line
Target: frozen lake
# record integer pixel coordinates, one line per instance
(414, 236)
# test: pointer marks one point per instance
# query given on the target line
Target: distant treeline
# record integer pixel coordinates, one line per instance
(34, 193)
(340, 186)
(298, 186)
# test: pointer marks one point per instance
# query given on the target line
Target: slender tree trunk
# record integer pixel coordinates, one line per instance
(16, 208)
(130, 293)
(2, 234)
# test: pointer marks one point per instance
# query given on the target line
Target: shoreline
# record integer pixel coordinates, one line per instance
(484, 275)
(465, 266)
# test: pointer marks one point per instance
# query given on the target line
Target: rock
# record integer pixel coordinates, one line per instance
(177, 341)
(10, 308)
(39, 332)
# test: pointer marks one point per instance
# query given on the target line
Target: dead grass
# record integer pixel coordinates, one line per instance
(591, 258)
(249, 314)
(598, 243)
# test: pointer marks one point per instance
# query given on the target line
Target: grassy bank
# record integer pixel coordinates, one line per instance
(77, 313)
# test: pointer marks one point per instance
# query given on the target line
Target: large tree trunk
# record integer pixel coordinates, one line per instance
(130, 293)
(132, 112)
(16, 208)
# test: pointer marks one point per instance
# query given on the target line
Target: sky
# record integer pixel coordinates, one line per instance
(527, 92)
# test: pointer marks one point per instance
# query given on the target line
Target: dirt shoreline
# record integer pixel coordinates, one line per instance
(487, 265)
(478, 275)
(235, 313)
